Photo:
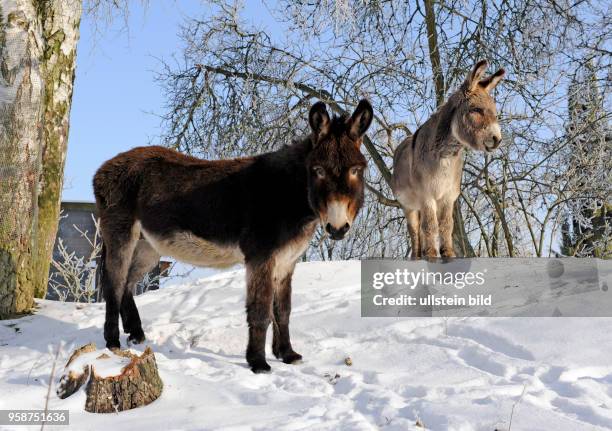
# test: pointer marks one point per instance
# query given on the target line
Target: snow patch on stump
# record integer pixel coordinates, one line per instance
(116, 380)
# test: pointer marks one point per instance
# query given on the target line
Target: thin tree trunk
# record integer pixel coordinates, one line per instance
(434, 53)
(461, 241)
(61, 19)
(21, 107)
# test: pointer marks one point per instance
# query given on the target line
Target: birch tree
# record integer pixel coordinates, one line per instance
(21, 101)
(37, 58)
(60, 29)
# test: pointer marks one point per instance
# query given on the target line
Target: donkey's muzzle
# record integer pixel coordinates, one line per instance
(337, 234)
(493, 143)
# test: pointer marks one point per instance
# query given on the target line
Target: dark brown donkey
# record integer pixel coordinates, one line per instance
(260, 210)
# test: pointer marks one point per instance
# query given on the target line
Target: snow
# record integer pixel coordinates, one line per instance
(451, 374)
(104, 362)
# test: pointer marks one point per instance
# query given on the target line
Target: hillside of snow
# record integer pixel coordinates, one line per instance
(448, 374)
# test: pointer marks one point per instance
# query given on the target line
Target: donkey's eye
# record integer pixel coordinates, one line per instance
(319, 171)
(477, 111)
(355, 170)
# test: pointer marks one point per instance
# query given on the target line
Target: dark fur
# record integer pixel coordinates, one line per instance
(261, 204)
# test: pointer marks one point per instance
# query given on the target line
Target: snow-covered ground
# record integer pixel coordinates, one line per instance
(450, 374)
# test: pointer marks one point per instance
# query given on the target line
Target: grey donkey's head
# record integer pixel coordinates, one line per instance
(474, 122)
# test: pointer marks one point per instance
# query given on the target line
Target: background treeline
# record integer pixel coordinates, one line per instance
(241, 89)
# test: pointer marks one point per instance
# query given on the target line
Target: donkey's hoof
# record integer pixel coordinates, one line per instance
(113, 345)
(260, 366)
(447, 259)
(292, 358)
(430, 252)
(136, 337)
(447, 254)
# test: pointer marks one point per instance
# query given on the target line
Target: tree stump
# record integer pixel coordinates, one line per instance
(116, 381)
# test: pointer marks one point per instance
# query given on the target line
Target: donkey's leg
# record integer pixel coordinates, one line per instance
(445, 221)
(429, 227)
(144, 260)
(131, 319)
(119, 235)
(260, 293)
(413, 220)
(281, 343)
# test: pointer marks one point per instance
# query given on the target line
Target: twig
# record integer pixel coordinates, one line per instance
(42, 426)
(514, 406)
(383, 199)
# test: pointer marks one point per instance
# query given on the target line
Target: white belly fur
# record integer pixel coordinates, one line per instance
(286, 257)
(442, 184)
(189, 248)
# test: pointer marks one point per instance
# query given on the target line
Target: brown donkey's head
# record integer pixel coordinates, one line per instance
(335, 166)
(475, 121)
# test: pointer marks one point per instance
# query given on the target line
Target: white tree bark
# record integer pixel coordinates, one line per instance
(37, 60)
(60, 21)
(21, 108)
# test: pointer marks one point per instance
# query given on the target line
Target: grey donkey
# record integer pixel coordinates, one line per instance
(427, 166)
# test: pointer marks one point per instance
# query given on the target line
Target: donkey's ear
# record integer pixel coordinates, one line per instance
(476, 74)
(490, 82)
(318, 118)
(361, 119)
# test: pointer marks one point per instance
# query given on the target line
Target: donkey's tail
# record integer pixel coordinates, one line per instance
(101, 277)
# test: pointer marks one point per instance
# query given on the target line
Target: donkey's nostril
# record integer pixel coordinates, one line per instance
(337, 233)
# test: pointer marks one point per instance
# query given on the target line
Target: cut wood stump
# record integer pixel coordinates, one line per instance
(116, 381)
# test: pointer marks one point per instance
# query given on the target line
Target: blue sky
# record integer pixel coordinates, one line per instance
(115, 96)
(115, 91)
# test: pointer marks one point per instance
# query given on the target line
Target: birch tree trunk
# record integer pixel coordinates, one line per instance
(21, 101)
(60, 25)
(37, 59)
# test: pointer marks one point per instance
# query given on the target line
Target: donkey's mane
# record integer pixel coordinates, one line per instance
(443, 141)
(438, 138)
(337, 126)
